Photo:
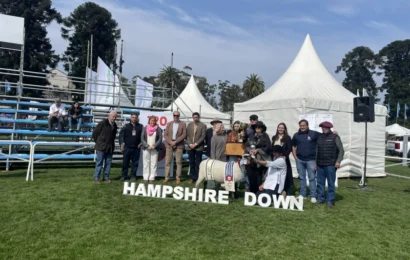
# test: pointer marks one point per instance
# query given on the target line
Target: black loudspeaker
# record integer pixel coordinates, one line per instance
(363, 109)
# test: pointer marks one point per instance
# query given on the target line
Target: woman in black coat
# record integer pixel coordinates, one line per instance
(283, 139)
(257, 145)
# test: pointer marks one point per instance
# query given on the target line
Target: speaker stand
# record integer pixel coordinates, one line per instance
(363, 186)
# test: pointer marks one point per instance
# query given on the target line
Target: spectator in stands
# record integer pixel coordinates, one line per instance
(196, 131)
(130, 145)
(104, 138)
(151, 139)
(329, 155)
(209, 134)
(175, 133)
(276, 174)
(283, 139)
(75, 115)
(257, 146)
(56, 115)
(250, 131)
(304, 144)
(218, 143)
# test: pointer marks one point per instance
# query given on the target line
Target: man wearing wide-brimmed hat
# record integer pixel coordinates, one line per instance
(329, 155)
(210, 134)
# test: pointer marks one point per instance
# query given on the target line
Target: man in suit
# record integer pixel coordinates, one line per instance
(174, 135)
(196, 131)
(209, 135)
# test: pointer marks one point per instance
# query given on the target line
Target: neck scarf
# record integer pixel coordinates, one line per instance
(151, 129)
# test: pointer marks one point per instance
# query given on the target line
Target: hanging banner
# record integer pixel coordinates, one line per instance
(92, 87)
(143, 93)
(315, 120)
(109, 90)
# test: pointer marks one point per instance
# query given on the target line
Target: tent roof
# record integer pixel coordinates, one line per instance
(396, 129)
(191, 100)
(306, 77)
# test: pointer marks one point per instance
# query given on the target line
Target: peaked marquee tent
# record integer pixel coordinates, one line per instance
(396, 129)
(308, 88)
(191, 100)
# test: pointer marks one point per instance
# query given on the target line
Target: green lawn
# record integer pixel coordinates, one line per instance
(63, 215)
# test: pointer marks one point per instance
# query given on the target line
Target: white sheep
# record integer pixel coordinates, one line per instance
(210, 169)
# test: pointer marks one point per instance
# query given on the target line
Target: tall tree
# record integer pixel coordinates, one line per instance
(38, 52)
(253, 86)
(229, 95)
(86, 20)
(394, 61)
(169, 77)
(359, 65)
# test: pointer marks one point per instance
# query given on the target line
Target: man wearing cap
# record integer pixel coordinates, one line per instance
(250, 131)
(329, 155)
(304, 151)
(210, 134)
(276, 174)
(195, 137)
(174, 134)
(56, 115)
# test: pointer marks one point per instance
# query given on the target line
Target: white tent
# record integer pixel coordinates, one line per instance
(308, 88)
(191, 100)
(396, 129)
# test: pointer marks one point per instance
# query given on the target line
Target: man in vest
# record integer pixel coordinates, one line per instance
(329, 155)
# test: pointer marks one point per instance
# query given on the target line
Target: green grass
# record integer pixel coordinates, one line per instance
(63, 215)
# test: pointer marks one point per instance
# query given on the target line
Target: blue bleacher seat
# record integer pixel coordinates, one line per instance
(130, 111)
(44, 132)
(185, 156)
(36, 122)
(32, 112)
(39, 156)
(33, 104)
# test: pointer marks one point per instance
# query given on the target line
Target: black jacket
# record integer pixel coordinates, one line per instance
(104, 136)
(126, 137)
(287, 149)
(78, 113)
(208, 138)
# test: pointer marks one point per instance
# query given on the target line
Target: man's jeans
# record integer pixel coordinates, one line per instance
(134, 155)
(303, 167)
(326, 172)
(195, 158)
(78, 120)
(107, 159)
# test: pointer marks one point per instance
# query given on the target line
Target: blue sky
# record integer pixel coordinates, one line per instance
(228, 40)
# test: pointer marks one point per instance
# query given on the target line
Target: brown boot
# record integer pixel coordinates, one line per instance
(178, 181)
(165, 181)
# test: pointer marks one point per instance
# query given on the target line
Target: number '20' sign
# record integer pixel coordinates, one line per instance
(161, 120)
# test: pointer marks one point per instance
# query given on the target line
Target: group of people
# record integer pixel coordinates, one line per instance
(317, 155)
(58, 115)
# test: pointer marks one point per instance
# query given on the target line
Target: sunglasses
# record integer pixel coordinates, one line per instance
(176, 115)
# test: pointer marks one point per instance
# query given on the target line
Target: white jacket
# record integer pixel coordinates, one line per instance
(60, 110)
(275, 175)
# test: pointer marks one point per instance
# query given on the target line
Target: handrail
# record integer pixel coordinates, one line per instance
(20, 142)
(41, 143)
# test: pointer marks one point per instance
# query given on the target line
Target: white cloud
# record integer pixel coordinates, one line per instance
(183, 16)
(299, 19)
(343, 10)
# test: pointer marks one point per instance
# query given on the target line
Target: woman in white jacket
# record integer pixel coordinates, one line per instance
(276, 173)
(151, 140)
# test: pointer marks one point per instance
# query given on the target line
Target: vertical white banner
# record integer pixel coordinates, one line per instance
(108, 93)
(143, 93)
